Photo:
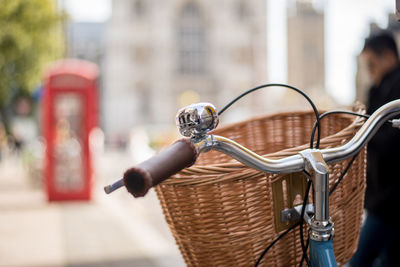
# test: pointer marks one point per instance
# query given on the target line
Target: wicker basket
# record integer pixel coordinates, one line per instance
(221, 212)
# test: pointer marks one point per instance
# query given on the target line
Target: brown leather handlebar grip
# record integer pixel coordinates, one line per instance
(180, 155)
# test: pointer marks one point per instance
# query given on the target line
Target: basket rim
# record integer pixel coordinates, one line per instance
(285, 113)
(210, 170)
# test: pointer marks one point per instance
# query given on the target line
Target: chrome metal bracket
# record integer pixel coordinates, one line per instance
(321, 231)
(203, 143)
(287, 193)
(315, 161)
(294, 213)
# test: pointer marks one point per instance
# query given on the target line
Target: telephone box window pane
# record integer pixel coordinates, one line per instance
(68, 167)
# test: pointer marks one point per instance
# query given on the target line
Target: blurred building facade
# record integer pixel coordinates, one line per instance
(85, 40)
(306, 52)
(362, 80)
(161, 55)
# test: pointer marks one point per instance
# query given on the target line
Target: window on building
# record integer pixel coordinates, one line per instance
(243, 10)
(145, 99)
(139, 8)
(191, 38)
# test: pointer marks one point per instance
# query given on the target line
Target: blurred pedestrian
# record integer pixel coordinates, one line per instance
(380, 232)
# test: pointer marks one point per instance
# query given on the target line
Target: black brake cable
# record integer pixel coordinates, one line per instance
(343, 174)
(334, 187)
(290, 228)
(354, 157)
(318, 126)
(274, 242)
(303, 208)
(305, 246)
(337, 112)
(317, 117)
(305, 254)
(278, 85)
(330, 113)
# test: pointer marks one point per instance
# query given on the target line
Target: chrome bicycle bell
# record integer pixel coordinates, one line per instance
(197, 119)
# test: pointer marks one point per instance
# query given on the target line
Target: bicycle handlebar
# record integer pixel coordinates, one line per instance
(296, 162)
(138, 180)
(184, 153)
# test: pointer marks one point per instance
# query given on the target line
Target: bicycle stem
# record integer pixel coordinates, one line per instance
(321, 224)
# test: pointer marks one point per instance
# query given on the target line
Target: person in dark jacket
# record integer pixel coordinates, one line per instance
(379, 238)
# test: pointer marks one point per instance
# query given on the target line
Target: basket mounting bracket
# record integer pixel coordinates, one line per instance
(287, 192)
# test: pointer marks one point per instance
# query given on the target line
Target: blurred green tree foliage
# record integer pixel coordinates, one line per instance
(30, 36)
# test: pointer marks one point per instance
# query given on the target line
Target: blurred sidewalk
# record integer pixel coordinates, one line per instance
(111, 230)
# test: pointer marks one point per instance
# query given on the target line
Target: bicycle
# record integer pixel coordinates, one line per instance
(197, 120)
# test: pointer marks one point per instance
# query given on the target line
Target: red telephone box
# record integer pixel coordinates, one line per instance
(69, 114)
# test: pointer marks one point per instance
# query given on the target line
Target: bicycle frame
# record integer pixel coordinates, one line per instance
(321, 253)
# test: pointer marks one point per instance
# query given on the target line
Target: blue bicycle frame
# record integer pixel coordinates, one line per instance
(321, 253)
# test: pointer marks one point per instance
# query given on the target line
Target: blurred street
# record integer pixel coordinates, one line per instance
(94, 86)
(111, 230)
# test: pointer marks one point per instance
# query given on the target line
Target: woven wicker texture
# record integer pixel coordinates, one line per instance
(221, 212)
